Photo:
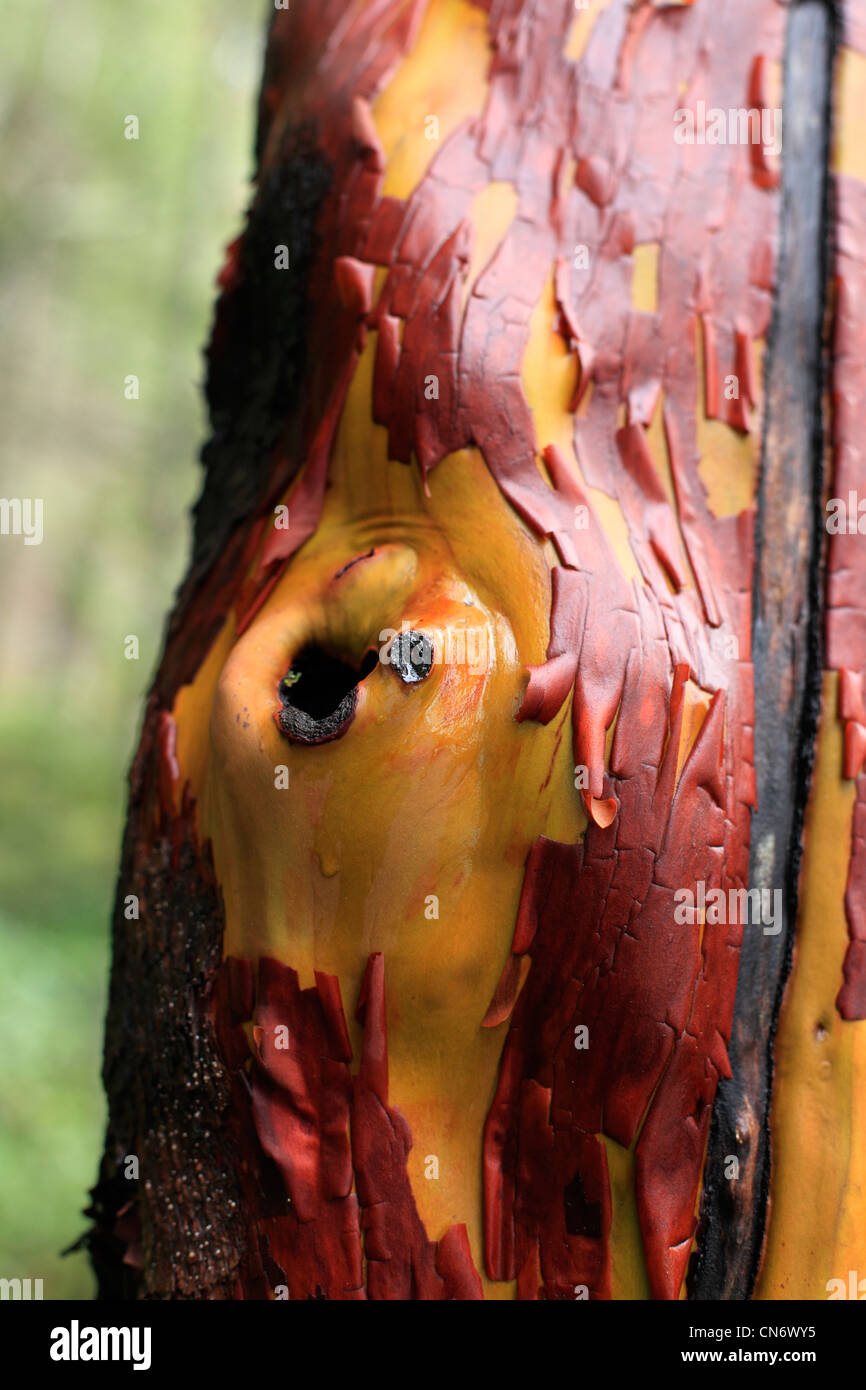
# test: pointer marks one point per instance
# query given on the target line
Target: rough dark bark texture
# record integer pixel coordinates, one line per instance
(170, 1091)
(257, 359)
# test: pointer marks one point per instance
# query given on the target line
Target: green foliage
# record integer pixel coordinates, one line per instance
(109, 250)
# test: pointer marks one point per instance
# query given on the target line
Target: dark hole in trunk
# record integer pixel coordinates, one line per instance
(319, 695)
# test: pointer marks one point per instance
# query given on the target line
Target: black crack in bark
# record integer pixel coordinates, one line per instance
(786, 656)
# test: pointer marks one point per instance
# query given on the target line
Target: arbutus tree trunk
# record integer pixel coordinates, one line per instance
(489, 920)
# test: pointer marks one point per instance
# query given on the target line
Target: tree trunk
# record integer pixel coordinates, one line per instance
(489, 921)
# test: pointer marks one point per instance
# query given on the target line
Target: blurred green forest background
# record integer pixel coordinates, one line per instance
(108, 252)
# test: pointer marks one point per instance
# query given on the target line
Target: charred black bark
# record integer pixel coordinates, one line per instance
(786, 657)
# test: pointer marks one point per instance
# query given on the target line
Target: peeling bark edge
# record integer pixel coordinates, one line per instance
(787, 646)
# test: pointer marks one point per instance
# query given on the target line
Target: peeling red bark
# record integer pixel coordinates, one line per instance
(846, 565)
(589, 150)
